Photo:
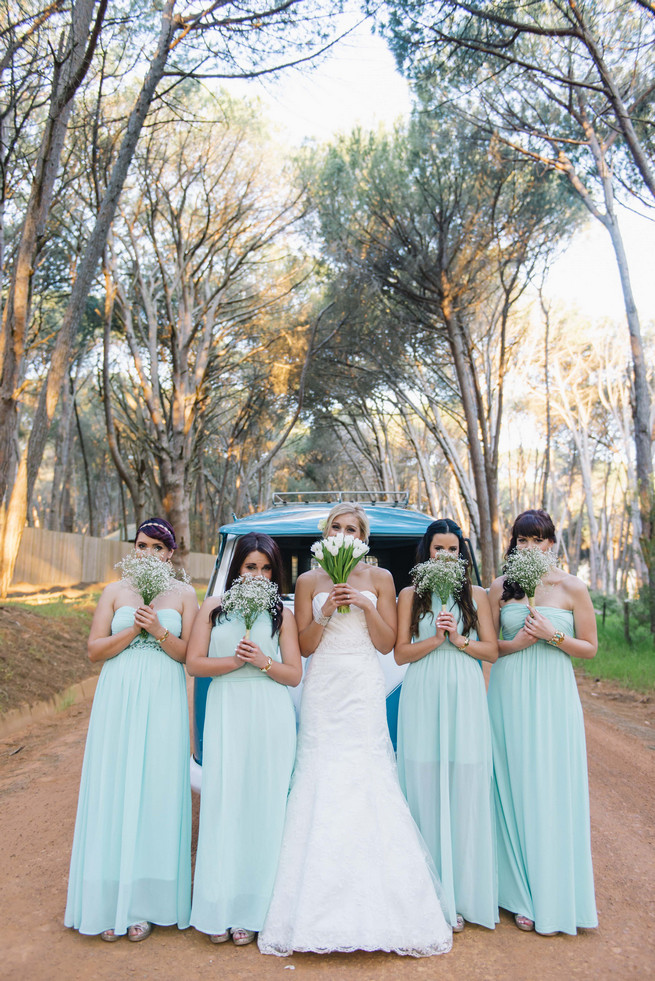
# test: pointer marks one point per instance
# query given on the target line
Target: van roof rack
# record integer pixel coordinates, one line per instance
(396, 499)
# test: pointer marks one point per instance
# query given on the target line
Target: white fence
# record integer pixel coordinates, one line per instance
(56, 558)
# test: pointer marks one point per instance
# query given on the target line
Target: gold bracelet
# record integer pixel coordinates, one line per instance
(557, 638)
(163, 637)
(465, 644)
(268, 666)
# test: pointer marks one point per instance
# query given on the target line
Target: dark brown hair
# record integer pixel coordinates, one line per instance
(422, 605)
(534, 523)
(254, 542)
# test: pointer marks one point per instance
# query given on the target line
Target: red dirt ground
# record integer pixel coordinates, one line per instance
(39, 775)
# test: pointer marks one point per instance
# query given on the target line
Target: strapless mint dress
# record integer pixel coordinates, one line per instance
(540, 781)
(249, 746)
(445, 770)
(131, 857)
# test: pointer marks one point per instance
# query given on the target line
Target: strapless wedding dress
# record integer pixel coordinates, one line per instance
(354, 872)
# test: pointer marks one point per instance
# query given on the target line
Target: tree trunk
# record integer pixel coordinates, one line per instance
(177, 505)
(87, 476)
(546, 474)
(16, 512)
(486, 531)
(423, 464)
(641, 416)
(61, 473)
(71, 64)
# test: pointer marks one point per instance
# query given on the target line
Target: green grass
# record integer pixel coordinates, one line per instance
(59, 608)
(632, 666)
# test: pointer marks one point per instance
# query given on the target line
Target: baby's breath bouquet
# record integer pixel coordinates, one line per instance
(149, 576)
(248, 596)
(338, 555)
(443, 575)
(527, 567)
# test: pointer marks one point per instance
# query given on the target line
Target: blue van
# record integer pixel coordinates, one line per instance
(395, 534)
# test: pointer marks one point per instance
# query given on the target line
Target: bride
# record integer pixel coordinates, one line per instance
(354, 872)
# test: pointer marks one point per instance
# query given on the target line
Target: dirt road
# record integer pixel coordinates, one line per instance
(39, 775)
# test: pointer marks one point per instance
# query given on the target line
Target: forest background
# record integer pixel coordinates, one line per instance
(196, 313)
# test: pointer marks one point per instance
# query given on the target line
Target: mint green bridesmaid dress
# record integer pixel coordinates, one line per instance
(131, 858)
(445, 770)
(249, 747)
(540, 781)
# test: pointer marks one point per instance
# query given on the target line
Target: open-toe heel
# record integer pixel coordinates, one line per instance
(139, 931)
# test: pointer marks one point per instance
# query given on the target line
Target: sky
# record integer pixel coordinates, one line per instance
(357, 84)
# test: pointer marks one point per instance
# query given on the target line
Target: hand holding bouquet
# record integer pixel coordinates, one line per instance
(527, 567)
(443, 575)
(149, 576)
(248, 596)
(338, 555)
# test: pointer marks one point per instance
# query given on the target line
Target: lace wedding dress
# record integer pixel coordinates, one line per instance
(354, 872)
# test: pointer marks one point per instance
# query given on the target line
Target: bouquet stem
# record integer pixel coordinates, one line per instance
(346, 608)
(247, 634)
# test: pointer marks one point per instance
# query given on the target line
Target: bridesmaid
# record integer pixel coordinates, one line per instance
(444, 740)
(249, 750)
(131, 861)
(545, 874)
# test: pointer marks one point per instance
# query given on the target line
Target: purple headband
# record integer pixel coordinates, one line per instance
(160, 529)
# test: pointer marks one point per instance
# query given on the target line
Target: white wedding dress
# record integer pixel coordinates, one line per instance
(354, 872)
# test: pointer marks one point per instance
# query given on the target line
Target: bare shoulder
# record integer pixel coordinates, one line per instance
(307, 581)
(288, 619)
(496, 588)
(110, 594)
(189, 594)
(112, 589)
(381, 576)
(406, 597)
(480, 593)
(209, 605)
(575, 586)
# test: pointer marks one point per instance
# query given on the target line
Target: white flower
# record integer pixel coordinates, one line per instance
(248, 596)
(527, 567)
(444, 575)
(339, 555)
(322, 524)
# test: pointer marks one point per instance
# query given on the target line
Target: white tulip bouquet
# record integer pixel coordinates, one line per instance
(338, 555)
(527, 567)
(149, 576)
(443, 575)
(248, 596)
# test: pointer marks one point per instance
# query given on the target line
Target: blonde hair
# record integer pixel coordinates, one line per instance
(350, 507)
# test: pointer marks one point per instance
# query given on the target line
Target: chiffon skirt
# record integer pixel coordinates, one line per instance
(249, 748)
(445, 770)
(541, 789)
(131, 858)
